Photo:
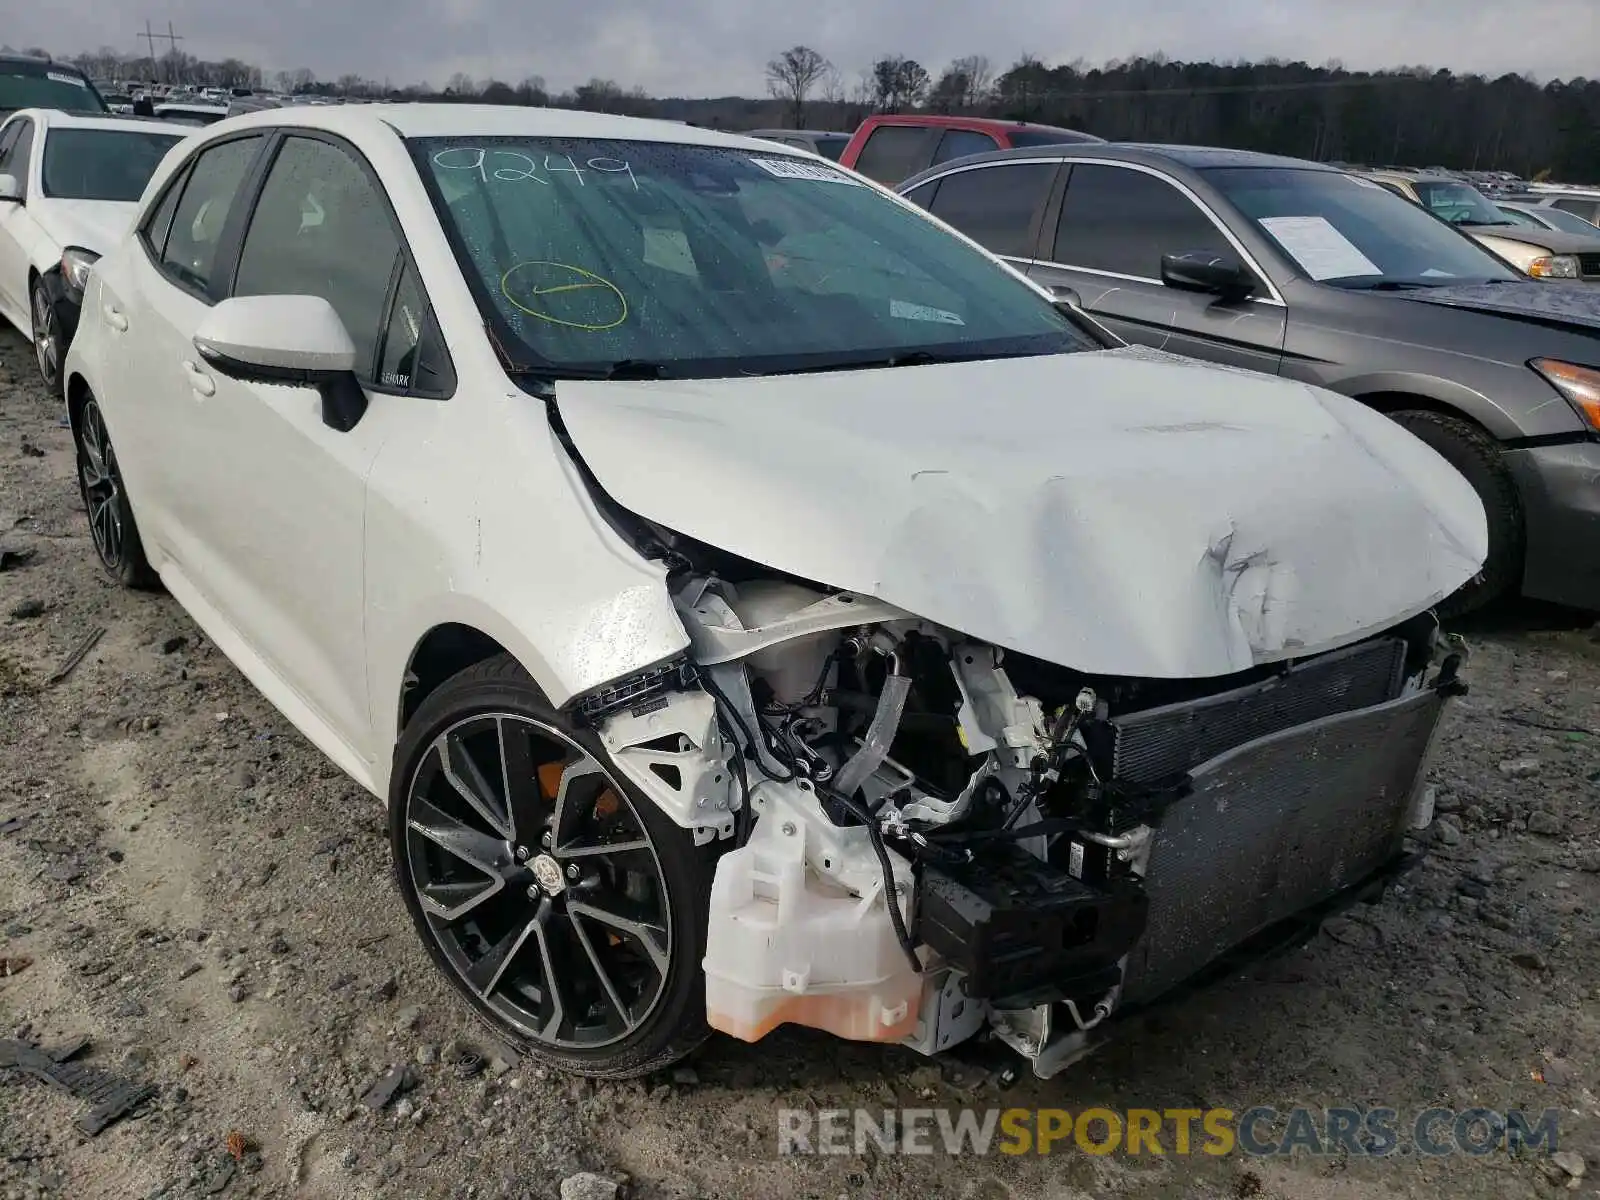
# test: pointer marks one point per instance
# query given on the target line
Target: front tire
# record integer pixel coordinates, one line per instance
(105, 501)
(562, 904)
(1476, 455)
(49, 348)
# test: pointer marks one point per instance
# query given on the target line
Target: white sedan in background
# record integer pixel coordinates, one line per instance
(757, 603)
(69, 185)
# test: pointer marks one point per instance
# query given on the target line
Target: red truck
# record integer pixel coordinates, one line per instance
(892, 147)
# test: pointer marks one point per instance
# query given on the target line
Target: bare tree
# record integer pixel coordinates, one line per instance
(792, 75)
(461, 84)
(898, 82)
(297, 80)
(976, 70)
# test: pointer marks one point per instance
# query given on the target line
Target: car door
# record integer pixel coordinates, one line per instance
(285, 493)
(152, 297)
(1116, 222)
(16, 223)
(1000, 206)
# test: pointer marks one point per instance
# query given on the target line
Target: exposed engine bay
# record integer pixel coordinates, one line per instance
(922, 835)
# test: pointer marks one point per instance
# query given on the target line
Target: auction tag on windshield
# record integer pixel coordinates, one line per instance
(60, 78)
(793, 168)
(908, 311)
(1320, 249)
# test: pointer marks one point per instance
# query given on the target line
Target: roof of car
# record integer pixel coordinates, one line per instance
(803, 133)
(1147, 154)
(487, 120)
(43, 64)
(55, 118)
(944, 120)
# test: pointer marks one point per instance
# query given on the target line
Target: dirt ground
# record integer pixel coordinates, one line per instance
(207, 900)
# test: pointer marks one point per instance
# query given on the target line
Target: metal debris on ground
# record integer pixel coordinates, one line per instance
(79, 653)
(110, 1098)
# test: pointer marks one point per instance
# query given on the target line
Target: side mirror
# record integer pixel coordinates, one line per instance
(1203, 271)
(10, 188)
(292, 340)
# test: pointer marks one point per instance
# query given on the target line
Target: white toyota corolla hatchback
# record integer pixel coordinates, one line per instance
(756, 603)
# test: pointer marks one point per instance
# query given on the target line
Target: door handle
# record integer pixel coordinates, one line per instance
(198, 379)
(115, 319)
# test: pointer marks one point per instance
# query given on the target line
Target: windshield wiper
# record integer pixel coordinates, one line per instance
(910, 358)
(1389, 285)
(624, 369)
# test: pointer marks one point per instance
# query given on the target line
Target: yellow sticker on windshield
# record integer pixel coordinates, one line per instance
(565, 295)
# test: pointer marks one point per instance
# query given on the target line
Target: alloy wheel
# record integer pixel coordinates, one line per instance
(101, 483)
(538, 881)
(46, 337)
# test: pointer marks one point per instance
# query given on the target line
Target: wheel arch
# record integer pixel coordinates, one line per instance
(445, 650)
(1391, 391)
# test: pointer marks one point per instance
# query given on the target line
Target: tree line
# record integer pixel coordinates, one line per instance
(1406, 115)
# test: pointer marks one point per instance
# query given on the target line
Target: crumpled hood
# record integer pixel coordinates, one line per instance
(1121, 512)
(94, 225)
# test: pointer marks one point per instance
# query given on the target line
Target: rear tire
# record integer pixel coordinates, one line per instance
(567, 909)
(105, 501)
(1476, 455)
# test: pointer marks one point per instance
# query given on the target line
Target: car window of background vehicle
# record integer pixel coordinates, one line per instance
(191, 246)
(1121, 220)
(591, 252)
(1458, 203)
(320, 228)
(893, 152)
(61, 90)
(14, 157)
(995, 206)
(957, 143)
(101, 164)
(1401, 242)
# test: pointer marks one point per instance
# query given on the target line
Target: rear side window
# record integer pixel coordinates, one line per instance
(189, 252)
(958, 143)
(1589, 210)
(923, 196)
(893, 153)
(1121, 220)
(996, 206)
(321, 228)
(159, 223)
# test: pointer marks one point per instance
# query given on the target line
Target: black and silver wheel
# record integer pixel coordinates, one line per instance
(47, 336)
(565, 906)
(105, 500)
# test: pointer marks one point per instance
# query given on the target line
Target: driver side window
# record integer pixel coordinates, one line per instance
(321, 228)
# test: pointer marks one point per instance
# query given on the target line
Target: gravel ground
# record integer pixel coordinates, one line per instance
(207, 900)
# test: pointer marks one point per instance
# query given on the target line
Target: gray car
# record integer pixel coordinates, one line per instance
(1303, 270)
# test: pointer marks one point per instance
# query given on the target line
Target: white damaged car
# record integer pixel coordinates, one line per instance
(756, 603)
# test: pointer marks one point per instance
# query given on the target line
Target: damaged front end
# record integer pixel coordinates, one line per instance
(922, 835)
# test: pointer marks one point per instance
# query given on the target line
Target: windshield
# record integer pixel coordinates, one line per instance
(44, 88)
(1047, 137)
(1349, 232)
(1459, 203)
(1560, 218)
(590, 256)
(102, 164)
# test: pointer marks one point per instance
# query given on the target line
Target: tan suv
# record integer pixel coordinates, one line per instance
(1541, 253)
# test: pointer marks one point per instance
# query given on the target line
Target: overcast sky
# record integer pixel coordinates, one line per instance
(717, 47)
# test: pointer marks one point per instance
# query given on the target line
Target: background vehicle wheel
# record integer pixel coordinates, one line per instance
(47, 337)
(566, 908)
(105, 500)
(1476, 455)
